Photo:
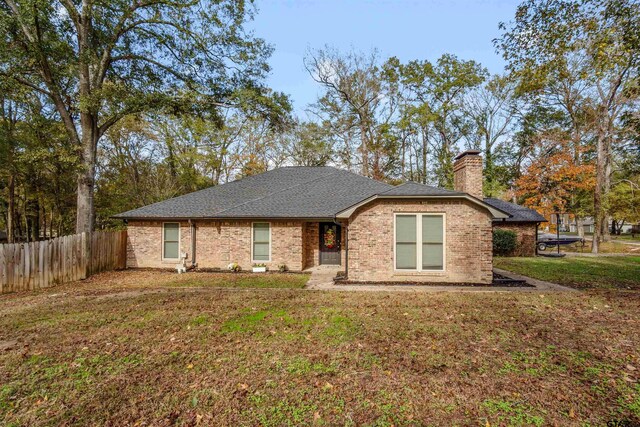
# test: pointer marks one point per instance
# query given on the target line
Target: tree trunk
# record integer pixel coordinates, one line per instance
(11, 214)
(364, 150)
(425, 150)
(33, 218)
(606, 231)
(43, 215)
(488, 168)
(599, 216)
(85, 217)
(580, 227)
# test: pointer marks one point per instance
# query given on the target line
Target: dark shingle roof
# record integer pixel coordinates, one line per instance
(415, 189)
(297, 192)
(288, 192)
(518, 213)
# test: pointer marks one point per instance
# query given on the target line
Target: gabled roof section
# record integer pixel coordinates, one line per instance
(288, 192)
(414, 190)
(518, 213)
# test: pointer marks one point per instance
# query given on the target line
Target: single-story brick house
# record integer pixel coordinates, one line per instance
(307, 216)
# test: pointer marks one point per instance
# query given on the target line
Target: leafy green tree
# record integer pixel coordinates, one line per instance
(595, 46)
(310, 145)
(434, 94)
(36, 166)
(623, 202)
(97, 62)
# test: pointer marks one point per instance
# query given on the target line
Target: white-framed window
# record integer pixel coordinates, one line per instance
(171, 240)
(419, 241)
(260, 242)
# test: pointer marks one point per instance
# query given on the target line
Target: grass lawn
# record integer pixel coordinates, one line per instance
(628, 237)
(117, 350)
(623, 237)
(613, 247)
(141, 279)
(618, 245)
(240, 280)
(579, 272)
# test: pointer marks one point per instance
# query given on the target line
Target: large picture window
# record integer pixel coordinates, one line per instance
(261, 241)
(419, 242)
(171, 240)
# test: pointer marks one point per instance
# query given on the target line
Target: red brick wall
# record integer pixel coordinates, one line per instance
(311, 244)
(525, 235)
(468, 242)
(218, 244)
(144, 244)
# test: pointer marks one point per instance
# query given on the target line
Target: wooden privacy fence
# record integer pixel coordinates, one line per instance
(36, 265)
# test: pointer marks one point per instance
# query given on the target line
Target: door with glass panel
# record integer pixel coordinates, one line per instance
(330, 243)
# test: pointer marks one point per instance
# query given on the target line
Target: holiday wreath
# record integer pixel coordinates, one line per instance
(330, 239)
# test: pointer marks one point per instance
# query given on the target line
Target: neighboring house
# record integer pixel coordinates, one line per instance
(309, 216)
(569, 223)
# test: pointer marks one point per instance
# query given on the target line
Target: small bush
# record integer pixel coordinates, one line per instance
(504, 242)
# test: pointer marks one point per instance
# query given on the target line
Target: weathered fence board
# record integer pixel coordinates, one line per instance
(37, 265)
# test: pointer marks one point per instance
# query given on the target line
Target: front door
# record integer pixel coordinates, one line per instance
(330, 241)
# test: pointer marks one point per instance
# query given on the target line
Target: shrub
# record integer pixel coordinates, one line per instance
(234, 266)
(283, 268)
(504, 242)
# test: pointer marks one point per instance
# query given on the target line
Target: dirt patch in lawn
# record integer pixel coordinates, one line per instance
(210, 356)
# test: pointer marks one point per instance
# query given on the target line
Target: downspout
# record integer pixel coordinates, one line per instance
(346, 246)
(192, 230)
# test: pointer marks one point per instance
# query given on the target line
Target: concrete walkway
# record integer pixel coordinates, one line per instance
(322, 280)
(540, 285)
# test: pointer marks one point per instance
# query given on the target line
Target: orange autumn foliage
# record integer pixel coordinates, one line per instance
(551, 180)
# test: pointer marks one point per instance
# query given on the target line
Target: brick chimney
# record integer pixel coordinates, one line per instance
(467, 173)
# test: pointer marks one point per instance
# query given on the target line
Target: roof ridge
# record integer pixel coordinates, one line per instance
(276, 192)
(363, 176)
(421, 185)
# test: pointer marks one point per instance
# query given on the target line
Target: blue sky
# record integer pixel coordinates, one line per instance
(408, 29)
